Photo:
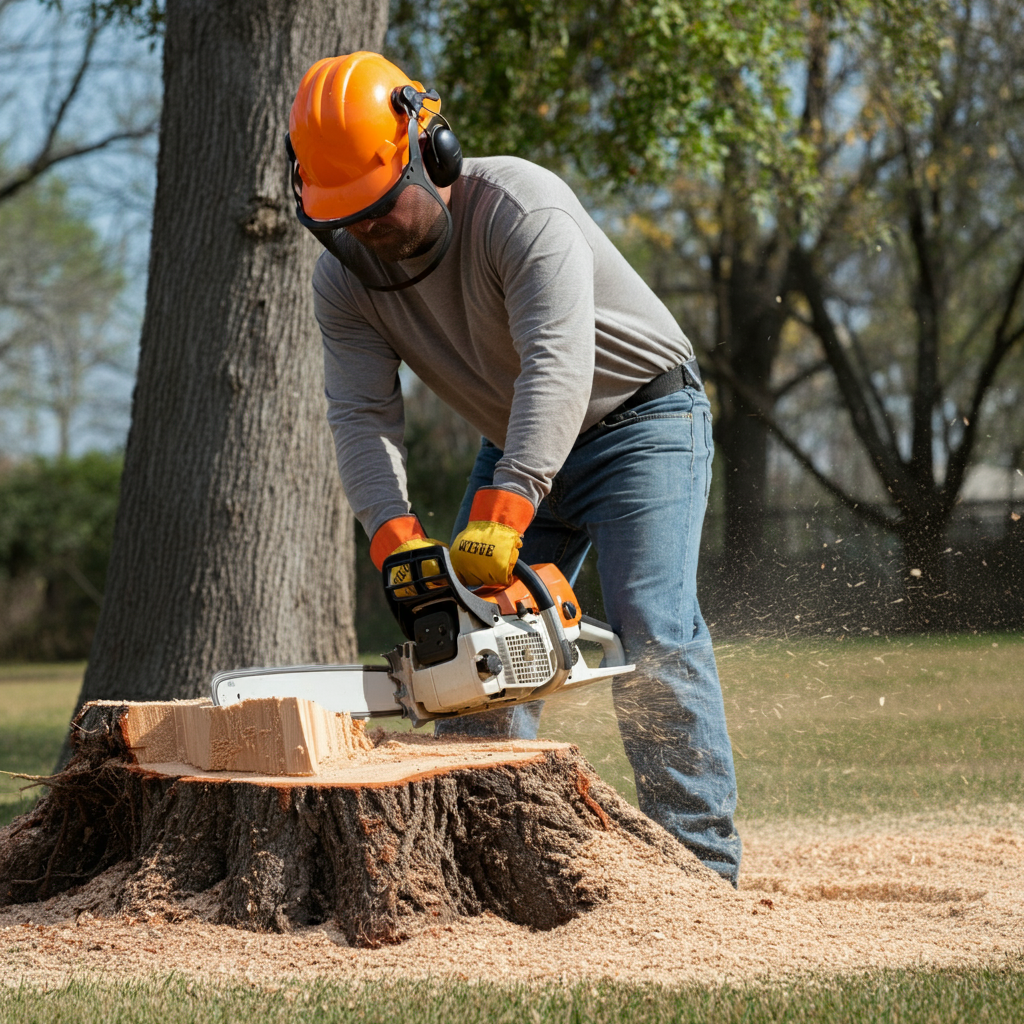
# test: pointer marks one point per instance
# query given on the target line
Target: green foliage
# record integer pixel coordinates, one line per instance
(993, 994)
(639, 92)
(49, 243)
(56, 529)
(55, 509)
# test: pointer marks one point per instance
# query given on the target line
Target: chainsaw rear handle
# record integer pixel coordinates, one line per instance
(549, 614)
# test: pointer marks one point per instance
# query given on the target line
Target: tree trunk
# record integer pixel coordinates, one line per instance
(233, 541)
(928, 605)
(444, 830)
(749, 276)
(742, 439)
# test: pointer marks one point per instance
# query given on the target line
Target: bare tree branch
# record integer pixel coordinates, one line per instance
(92, 34)
(1004, 338)
(881, 411)
(751, 399)
(798, 378)
(885, 460)
(51, 152)
(41, 164)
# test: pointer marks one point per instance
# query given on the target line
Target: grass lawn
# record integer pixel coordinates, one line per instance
(36, 702)
(995, 996)
(874, 727)
(821, 729)
(864, 727)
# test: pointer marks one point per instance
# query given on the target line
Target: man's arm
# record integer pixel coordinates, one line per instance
(547, 272)
(546, 267)
(364, 405)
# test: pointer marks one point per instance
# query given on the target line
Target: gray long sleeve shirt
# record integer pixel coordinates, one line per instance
(533, 327)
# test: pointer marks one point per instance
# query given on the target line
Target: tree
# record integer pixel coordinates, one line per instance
(919, 328)
(721, 247)
(62, 55)
(904, 283)
(59, 336)
(233, 542)
(711, 109)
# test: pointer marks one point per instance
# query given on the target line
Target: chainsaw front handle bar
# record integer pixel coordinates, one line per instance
(601, 633)
(423, 583)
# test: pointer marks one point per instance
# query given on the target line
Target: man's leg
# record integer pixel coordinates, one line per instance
(640, 486)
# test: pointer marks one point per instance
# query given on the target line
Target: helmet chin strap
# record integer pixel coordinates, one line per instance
(415, 174)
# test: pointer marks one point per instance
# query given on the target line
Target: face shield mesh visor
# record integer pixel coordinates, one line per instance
(395, 242)
(399, 244)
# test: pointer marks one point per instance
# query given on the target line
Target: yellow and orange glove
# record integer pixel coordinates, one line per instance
(402, 533)
(485, 553)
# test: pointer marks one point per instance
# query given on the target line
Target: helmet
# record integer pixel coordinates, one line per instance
(350, 142)
(354, 145)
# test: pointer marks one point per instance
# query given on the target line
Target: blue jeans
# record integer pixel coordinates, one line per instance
(636, 487)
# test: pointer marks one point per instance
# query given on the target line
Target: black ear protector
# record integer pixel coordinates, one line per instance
(442, 154)
(435, 161)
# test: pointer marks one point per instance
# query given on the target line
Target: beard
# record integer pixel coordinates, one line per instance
(391, 242)
(391, 245)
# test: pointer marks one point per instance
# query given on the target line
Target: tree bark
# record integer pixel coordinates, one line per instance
(233, 540)
(444, 836)
(928, 604)
(749, 274)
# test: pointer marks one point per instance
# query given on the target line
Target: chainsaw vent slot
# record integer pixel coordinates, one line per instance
(525, 658)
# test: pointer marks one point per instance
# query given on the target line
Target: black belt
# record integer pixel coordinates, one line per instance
(686, 375)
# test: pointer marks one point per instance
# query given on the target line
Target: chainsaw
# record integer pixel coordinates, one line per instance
(466, 650)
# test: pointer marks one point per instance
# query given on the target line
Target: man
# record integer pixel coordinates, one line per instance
(493, 284)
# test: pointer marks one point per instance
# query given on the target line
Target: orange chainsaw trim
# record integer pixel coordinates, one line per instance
(507, 598)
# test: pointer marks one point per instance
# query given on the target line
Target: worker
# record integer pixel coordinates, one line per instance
(490, 281)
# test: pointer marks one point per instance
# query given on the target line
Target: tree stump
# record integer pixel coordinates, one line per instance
(384, 836)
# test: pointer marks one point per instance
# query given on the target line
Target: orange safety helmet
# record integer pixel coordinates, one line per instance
(350, 141)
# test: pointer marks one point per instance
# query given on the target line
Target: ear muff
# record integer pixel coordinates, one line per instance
(439, 148)
(442, 155)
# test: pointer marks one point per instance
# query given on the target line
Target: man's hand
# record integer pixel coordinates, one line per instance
(485, 553)
(403, 533)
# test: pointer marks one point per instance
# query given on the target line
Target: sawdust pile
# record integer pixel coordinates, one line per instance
(839, 899)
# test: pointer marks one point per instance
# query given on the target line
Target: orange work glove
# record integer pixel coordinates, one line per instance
(402, 533)
(485, 553)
